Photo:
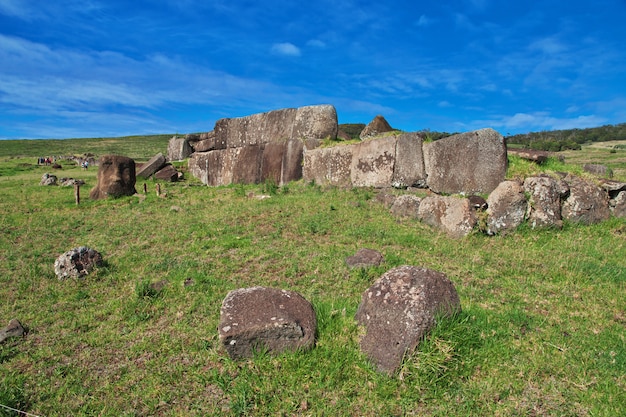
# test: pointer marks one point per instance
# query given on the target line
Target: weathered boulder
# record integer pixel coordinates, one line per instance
(399, 309)
(77, 263)
(167, 173)
(178, 149)
(377, 126)
(364, 258)
(530, 154)
(544, 202)
(153, 165)
(13, 329)
(453, 215)
(265, 318)
(618, 205)
(472, 162)
(406, 205)
(586, 203)
(507, 206)
(205, 145)
(599, 170)
(613, 188)
(48, 179)
(116, 177)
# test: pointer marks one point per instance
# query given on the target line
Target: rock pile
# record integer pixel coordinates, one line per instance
(77, 262)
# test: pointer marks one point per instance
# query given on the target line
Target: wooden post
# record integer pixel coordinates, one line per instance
(158, 189)
(77, 193)
(145, 188)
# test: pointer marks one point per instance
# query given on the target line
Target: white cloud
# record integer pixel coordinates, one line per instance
(286, 48)
(526, 122)
(16, 8)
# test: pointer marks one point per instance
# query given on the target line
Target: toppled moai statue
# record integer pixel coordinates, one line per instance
(116, 177)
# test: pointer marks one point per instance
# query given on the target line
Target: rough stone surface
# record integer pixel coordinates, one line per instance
(13, 329)
(206, 142)
(406, 205)
(116, 177)
(613, 188)
(328, 166)
(544, 203)
(292, 161)
(373, 162)
(77, 263)
(409, 168)
(530, 155)
(507, 208)
(472, 162)
(265, 318)
(178, 149)
(364, 258)
(399, 309)
(618, 205)
(48, 179)
(153, 165)
(586, 203)
(377, 126)
(167, 173)
(453, 215)
(599, 170)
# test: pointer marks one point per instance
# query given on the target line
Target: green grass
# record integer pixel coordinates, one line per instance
(542, 331)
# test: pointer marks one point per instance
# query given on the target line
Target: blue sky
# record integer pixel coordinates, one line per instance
(96, 68)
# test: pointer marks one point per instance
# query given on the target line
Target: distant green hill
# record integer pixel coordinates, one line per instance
(571, 139)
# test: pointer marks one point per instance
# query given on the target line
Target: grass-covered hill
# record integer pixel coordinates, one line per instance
(542, 331)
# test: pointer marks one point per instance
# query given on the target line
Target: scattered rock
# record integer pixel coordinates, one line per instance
(530, 155)
(453, 215)
(618, 205)
(507, 208)
(14, 329)
(48, 179)
(77, 263)
(265, 318)
(598, 170)
(365, 258)
(399, 309)
(167, 173)
(116, 177)
(406, 205)
(178, 149)
(70, 182)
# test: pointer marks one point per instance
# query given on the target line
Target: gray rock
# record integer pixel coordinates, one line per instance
(167, 173)
(13, 329)
(586, 203)
(77, 263)
(364, 258)
(544, 202)
(178, 149)
(153, 165)
(469, 163)
(530, 155)
(599, 170)
(265, 318)
(329, 166)
(373, 162)
(618, 205)
(406, 205)
(453, 215)
(399, 309)
(48, 179)
(507, 208)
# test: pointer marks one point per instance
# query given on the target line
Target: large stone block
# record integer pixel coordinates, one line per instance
(178, 149)
(315, 123)
(409, 169)
(292, 161)
(153, 165)
(586, 203)
(328, 166)
(373, 162)
(507, 207)
(453, 215)
(472, 162)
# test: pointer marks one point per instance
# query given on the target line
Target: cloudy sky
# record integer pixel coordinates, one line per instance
(96, 68)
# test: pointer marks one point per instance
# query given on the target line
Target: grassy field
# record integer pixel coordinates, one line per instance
(542, 332)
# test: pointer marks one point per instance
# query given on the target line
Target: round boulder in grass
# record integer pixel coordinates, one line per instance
(260, 318)
(399, 309)
(77, 263)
